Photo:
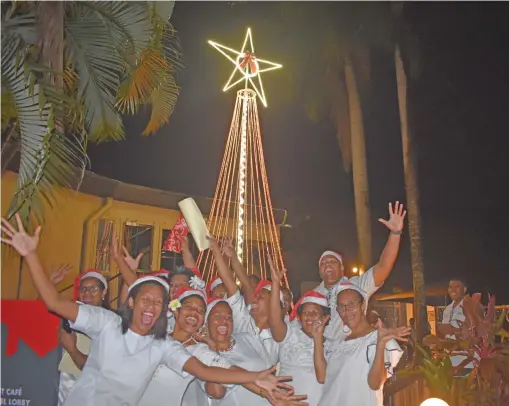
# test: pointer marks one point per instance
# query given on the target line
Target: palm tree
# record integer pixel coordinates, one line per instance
(69, 72)
(337, 55)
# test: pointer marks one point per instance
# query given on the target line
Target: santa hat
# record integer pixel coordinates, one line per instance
(265, 284)
(185, 292)
(334, 254)
(90, 273)
(309, 297)
(340, 287)
(149, 278)
(216, 281)
(162, 273)
(213, 301)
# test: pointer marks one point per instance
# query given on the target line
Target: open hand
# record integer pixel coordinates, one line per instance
(57, 275)
(386, 334)
(276, 276)
(132, 263)
(228, 249)
(319, 327)
(214, 245)
(292, 400)
(272, 384)
(18, 239)
(396, 217)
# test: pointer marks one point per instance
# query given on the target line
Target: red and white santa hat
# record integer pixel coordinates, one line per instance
(213, 301)
(162, 273)
(89, 273)
(214, 282)
(265, 284)
(183, 293)
(148, 278)
(340, 287)
(334, 254)
(309, 297)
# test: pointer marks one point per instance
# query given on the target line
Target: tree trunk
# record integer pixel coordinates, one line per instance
(360, 169)
(412, 197)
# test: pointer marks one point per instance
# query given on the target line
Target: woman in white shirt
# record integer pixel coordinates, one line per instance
(125, 350)
(356, 368)
(189, 307)
(243, 350)
(297, 339)
(90, 288)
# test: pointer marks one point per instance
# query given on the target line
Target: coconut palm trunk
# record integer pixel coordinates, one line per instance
(359, 168)
(412, 197)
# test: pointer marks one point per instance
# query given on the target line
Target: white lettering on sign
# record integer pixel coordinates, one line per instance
(14, 397)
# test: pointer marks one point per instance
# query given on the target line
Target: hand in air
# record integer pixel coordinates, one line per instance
(293, 400)
(396, 218)
(319, 327)
(276, 276)
(184, 243)
(18, 239)
(214, 245)
(57, 275)
(228, 249)
(273, 385)
(132, 263)
(386, 334)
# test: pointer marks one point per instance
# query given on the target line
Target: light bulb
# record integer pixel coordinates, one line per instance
(434, 402)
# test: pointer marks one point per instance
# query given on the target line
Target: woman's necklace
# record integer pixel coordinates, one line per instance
(232, 343)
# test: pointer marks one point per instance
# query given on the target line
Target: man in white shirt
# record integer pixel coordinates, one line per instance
(454, 317)
(332, 270)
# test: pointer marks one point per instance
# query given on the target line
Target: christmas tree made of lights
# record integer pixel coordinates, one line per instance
(242, 208)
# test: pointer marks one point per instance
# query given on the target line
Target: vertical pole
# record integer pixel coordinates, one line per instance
(242, 176)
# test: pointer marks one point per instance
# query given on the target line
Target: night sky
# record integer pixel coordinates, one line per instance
(461, 102)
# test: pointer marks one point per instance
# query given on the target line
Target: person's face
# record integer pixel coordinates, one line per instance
(260, 304)
(350, 308)
(311, 314)
(219, 291)
(177, 281)
(220, 323)
(190, 316)
(147, 306)
(91, 292)
(331, 270)
(457, 290)
(287, 301)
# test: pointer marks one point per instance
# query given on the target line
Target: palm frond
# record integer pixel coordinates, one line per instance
(163, 9)
(163, 101)
(99, 67)
(128, 23)
(136, 89)
(47, 158)
(20, 25)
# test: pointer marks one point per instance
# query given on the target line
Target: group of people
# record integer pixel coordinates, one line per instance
(177, 341)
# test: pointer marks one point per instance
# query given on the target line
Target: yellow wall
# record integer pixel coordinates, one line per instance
(63, 235)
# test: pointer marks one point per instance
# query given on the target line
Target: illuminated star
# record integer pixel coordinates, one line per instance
(248, 66)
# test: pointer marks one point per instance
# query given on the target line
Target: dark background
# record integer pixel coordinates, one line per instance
(461, 103)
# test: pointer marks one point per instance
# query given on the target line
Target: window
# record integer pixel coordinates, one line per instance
(103, 246)
(137, 238)
(169, 259)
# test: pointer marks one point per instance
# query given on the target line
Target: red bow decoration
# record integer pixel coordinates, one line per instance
(179, 231)
(29, 321)
(250, 58)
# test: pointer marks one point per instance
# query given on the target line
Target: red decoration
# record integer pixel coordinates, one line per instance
(249, 58)
(180, 230)
(29, 321)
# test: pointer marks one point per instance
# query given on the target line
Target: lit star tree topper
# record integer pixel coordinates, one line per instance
(248, 67)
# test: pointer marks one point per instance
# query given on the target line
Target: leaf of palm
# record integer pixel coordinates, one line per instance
(46, 157)
(163, 101)
(98, 66)
(137, 87)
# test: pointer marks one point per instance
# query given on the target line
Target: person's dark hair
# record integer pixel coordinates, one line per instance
(181, 270)
(361, 298)
(325, 311)
(254, 277)
(160, 326)
(459, 279)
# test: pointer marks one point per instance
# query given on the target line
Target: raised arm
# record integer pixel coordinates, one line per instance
(378, 373)
(277, 325)
(383, 268)
(222, 268)
(240, 272)
(187, 255)
(69, 342)
(318, 350)
(26, 246)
